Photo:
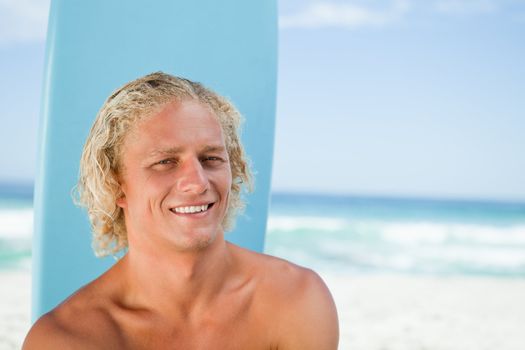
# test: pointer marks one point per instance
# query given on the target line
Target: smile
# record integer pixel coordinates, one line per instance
(192, 209)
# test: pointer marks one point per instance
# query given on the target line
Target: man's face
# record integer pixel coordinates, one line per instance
(175, 177)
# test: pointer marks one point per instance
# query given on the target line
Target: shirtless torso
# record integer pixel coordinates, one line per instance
(266, 303)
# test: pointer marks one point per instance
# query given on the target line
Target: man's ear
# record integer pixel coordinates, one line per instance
(122, 202)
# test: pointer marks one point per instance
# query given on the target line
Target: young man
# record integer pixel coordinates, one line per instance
(161, 175)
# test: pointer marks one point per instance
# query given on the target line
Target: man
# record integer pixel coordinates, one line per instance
(161, 175)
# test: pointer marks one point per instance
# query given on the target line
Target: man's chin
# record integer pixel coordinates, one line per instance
(195, 242)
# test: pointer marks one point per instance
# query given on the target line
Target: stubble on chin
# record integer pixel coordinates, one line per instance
(197, 243)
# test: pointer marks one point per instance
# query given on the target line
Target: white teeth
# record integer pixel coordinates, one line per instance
(192, 209)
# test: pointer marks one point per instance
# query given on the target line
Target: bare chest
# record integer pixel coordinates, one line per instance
(204, 335)
(205, 338)
(225, 328)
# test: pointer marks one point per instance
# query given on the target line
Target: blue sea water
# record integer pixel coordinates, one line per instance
(347, 235)
(414, 236)
(16, 226)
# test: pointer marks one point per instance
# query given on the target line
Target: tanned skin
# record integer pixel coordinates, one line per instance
(181, 285)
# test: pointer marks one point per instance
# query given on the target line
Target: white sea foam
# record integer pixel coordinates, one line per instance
(440, 233)
(295, 223)
(414, 233)
(405, 232)
(16, 223)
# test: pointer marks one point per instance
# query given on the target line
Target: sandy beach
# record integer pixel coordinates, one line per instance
(389, 312)
(15, 307)
(376, 312)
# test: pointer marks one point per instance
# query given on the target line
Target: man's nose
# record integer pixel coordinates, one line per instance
(192, 177)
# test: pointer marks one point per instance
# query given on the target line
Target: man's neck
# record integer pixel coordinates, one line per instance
(174, 282)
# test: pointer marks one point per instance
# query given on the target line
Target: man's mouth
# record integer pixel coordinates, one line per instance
(192, 209)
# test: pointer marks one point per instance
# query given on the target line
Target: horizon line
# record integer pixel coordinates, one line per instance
(26, 189)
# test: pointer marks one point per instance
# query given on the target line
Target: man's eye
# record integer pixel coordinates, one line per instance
(213, 159)
(166, 161)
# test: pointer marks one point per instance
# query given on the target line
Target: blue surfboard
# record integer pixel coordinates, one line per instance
(95, 46)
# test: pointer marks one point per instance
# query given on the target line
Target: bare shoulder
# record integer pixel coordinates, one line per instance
(283, 279)
(80, 322)
(309, 316)
(297, 301)
(46, 333)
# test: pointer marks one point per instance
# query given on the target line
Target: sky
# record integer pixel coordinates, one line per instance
(386, 97)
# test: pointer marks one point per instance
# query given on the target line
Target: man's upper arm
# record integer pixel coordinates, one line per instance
(41, 334)
(311, 320)
(46, 333)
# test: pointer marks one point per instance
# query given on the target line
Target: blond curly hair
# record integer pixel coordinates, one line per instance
(98, 186)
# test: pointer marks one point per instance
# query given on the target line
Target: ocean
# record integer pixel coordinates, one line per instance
(16, 228)
(349, 235)
(354, 235)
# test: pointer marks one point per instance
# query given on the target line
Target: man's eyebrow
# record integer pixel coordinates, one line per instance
(176, 150)
(212, 148)
(165, 151)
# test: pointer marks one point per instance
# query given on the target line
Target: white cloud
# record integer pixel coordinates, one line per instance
(343, 15)
(23, 20)
(466, 7)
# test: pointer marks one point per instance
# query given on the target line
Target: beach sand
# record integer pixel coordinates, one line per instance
(376, 312)
(392, 312)
(15, 307)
